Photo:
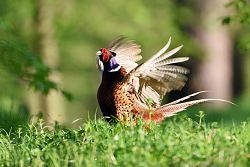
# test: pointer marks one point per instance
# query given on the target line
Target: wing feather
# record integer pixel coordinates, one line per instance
(167, 55)
(127, 52)
(158, 75)
(173, 68)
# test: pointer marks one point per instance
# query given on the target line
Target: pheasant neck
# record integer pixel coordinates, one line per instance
(112, 66)
(111, 78)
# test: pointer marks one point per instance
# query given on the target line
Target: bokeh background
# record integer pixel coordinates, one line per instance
(48, 64)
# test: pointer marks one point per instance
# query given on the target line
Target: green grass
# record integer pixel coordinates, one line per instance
(178, 141)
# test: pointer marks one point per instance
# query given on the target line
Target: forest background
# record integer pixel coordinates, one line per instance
(47, 53)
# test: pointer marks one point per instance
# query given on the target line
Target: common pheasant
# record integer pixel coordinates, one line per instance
(129, 91)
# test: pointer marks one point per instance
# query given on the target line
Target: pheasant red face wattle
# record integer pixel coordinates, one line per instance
(106, 54)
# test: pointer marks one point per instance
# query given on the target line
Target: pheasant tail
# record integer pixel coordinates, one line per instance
(174, 107)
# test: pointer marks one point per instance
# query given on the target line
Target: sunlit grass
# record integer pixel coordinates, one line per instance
(177, 141)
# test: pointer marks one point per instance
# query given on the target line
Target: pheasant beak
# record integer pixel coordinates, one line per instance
(98, 53)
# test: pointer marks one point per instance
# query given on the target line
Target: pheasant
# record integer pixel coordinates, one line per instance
(129, 91)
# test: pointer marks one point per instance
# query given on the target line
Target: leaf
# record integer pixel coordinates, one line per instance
(67, 95)
(226, 20)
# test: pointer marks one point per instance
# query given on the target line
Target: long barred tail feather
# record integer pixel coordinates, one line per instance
(174, 107)
(171, 109)
(184, 98)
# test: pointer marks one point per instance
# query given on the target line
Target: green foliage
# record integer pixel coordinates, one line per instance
(177, 142)
(240, 15)
(19, 65)
(22, 64)
(241, 12)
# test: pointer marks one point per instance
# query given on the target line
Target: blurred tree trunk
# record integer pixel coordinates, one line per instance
(51, 105)
(246, 76)
(215, 72)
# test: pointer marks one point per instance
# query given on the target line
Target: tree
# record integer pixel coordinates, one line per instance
(241, 18)
(215, 72)
(52, 104)
(20, 65)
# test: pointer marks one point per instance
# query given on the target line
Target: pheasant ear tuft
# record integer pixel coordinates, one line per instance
(113, 53)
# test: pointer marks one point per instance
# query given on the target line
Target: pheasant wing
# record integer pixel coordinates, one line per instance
(157, 76)
(127, 52)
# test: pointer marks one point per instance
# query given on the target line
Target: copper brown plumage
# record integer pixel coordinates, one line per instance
(130, 91)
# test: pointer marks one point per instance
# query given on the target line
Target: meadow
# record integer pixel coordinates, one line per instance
(178, 141)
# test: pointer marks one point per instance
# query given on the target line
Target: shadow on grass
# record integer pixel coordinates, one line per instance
(11, 119)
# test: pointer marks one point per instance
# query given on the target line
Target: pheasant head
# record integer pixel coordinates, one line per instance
(106, 60)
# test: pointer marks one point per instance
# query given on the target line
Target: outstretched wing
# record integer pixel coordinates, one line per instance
(127, 52)
(157, 76)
